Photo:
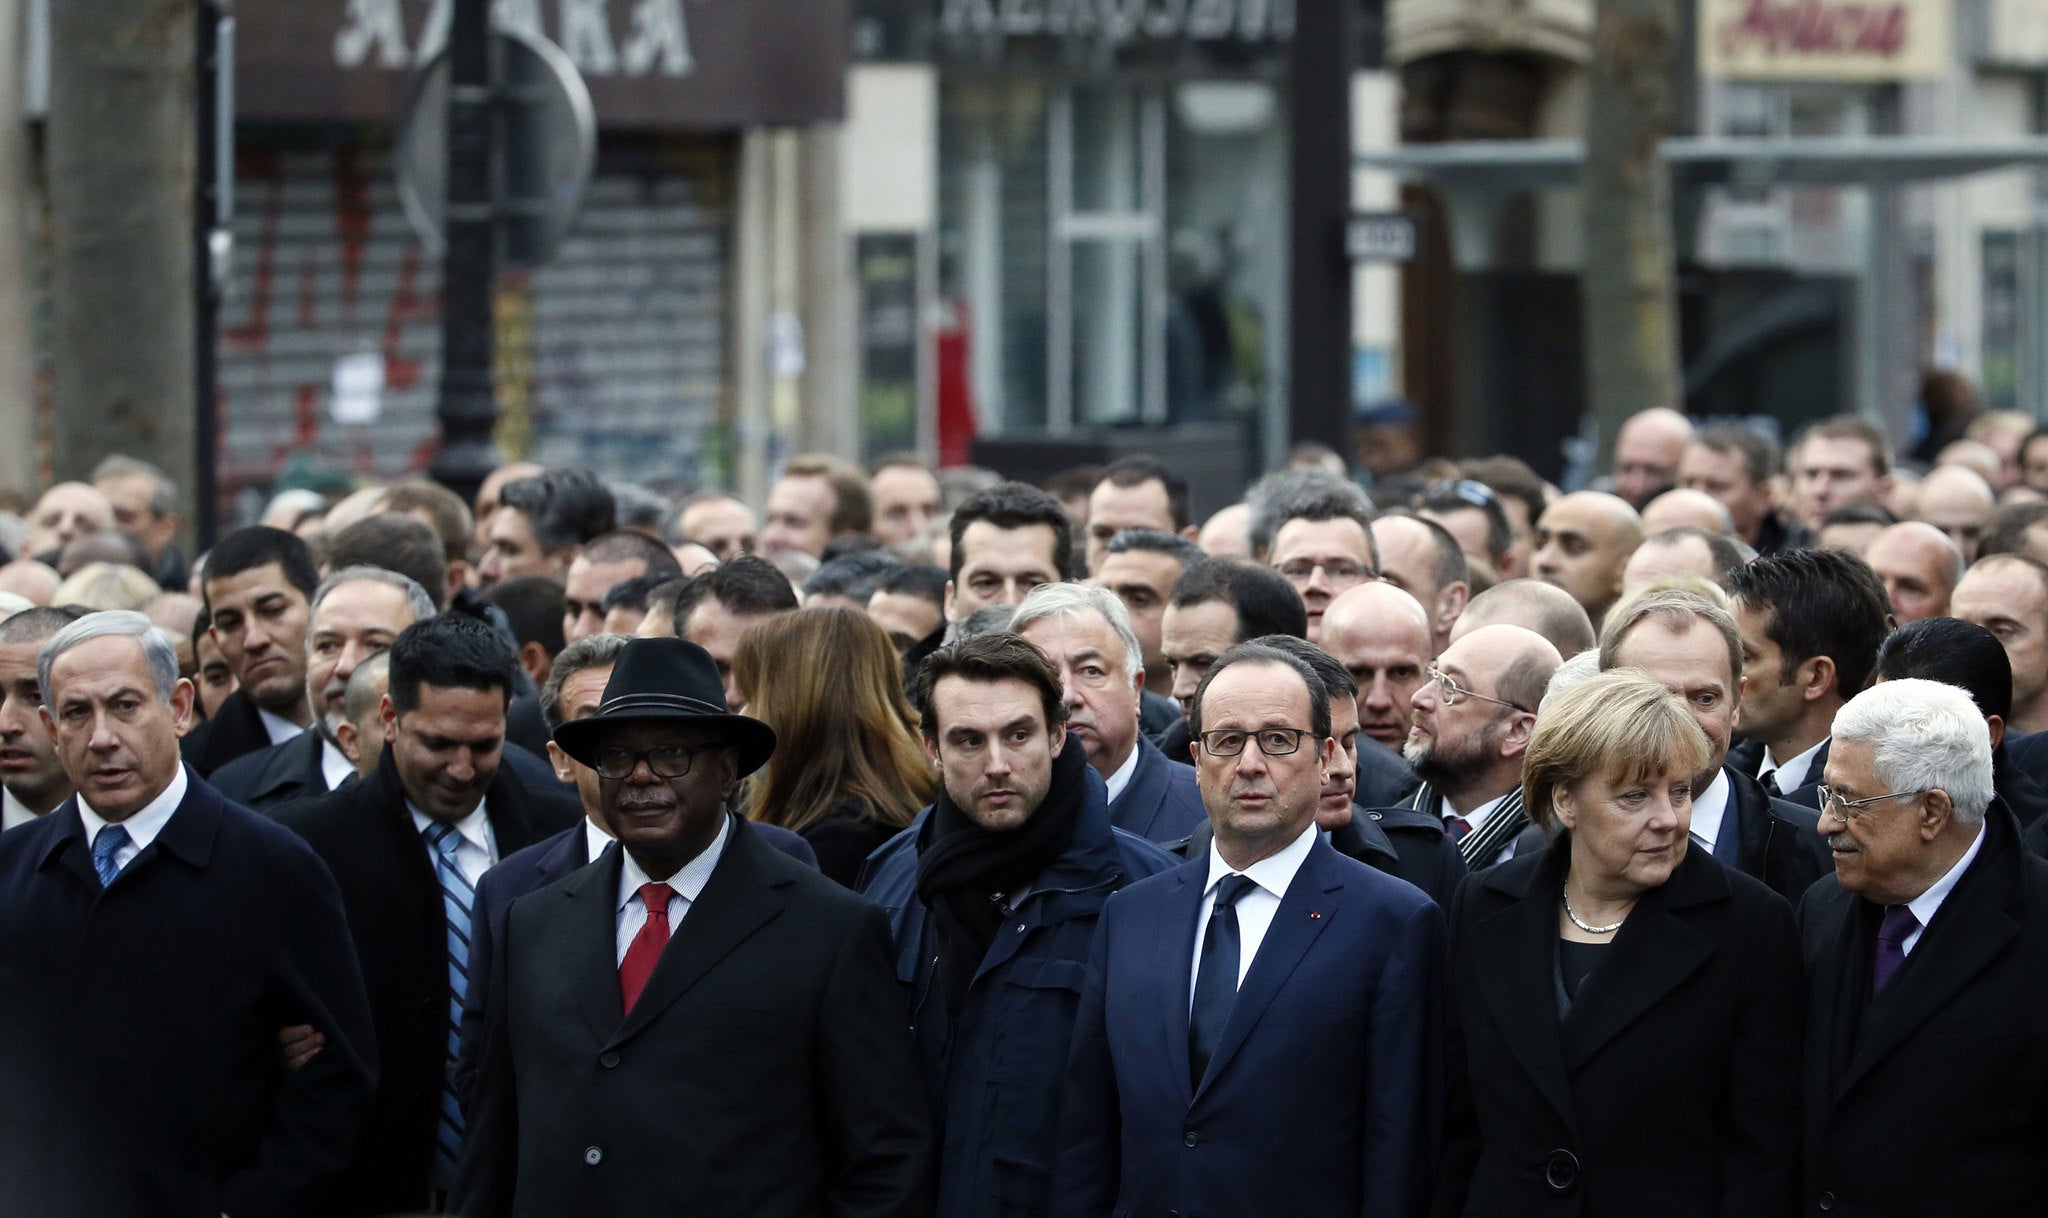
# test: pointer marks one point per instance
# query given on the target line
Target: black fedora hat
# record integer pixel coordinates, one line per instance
(669, 680)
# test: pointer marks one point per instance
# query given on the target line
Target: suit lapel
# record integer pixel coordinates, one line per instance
(1139, 806)
(1970, 930)
(737, 900)
(1175, 954)
(1512, 954)
(1304, 912)
(1654, 952)
(1482, 846)
(590, 954)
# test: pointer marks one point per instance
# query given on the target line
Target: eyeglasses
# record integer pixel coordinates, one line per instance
(1450, 693)
(1340, 571)
(1849, 809)
(667, 761)
(1272, 741)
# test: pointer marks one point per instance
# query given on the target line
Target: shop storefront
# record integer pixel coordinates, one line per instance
(617, 354)
(1111, 206)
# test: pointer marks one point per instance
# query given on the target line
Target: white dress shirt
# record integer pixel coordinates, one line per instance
(1477, 816)
(14, 812)
(335, 767)
(685, 886)
(1924, 905)
(594, 841)
(279, 728)
(476, 850)
(1710, 810)
(143, 826)
(1270, 877)
(1791, 774)
(1122, 778)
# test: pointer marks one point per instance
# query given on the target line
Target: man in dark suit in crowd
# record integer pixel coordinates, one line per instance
(1087, 632)
(32, 778)
(258, 584)
(1021, 812)
(1311, 1038)
(1472, 723)
(356, 613)
(157, 936)
(694, 971)
(1406, 843)
(408, 846)
(1382, 637)
(1811, 622)
(574, 690)
(1140, 565)
(1969, 657)
(1692, 647)
(1925, 958)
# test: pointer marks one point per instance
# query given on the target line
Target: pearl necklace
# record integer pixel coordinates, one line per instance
(1584, 926)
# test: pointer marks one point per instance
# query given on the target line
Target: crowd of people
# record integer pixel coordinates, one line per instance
(934, 844)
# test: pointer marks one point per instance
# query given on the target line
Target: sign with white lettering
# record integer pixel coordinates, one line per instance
(701, 64)
(1380, 236)
(1117, 22)
(1825, 39)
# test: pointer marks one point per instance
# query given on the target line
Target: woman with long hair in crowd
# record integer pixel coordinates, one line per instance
(849, 770)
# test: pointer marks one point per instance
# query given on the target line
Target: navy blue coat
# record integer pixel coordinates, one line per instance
(1324, 1097)
(139, 1022)
(996, 1086)
(1161, 803)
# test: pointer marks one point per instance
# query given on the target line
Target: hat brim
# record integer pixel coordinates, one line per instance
(753, 740)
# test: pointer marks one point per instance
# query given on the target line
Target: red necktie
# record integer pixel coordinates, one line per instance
(645, 950)
(1456, 827)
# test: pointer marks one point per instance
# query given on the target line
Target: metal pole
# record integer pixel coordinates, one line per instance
(1319, 175)
(468, 408)
(213, 209)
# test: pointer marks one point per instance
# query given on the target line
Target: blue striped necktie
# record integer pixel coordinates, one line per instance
(456, 898)
(105, 845)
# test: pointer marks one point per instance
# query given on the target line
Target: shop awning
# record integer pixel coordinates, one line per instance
(1515, 166)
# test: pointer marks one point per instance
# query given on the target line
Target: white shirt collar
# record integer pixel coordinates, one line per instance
(594, 840)
(1272, 873)
(1122, 778)
(1710, 810)
(688, 882)
(1477, 816)
(144, 825)
(474, 828)
(279, 728)
(1791, 774)
(14, 812)
(335, 766)
(1924, 905)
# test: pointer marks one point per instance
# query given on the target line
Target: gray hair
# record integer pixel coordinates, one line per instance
(1307, 494)
(989, 619)
(1927, 735)
(416, 596)
(157, 647)
(163, 496)
(1571, 674)
(590, 651)
(1065, 600)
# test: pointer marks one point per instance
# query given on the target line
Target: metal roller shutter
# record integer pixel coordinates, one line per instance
(612, 356)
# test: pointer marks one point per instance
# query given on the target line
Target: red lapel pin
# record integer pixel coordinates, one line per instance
(1313, 914)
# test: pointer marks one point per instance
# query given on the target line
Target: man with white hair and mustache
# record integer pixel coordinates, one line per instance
(1927, 971)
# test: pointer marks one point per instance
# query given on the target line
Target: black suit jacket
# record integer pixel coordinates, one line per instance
(1747, 756)
(767, 1070)
(138, 1023)
(1670, 1088)
(234, 731)
(1955, 1050)
(1781, 841)
(400, 928)
(276, 774)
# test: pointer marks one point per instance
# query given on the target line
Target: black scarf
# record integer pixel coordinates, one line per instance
(965, 871)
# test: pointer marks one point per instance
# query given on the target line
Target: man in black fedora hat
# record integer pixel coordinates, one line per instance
(694, 1023)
